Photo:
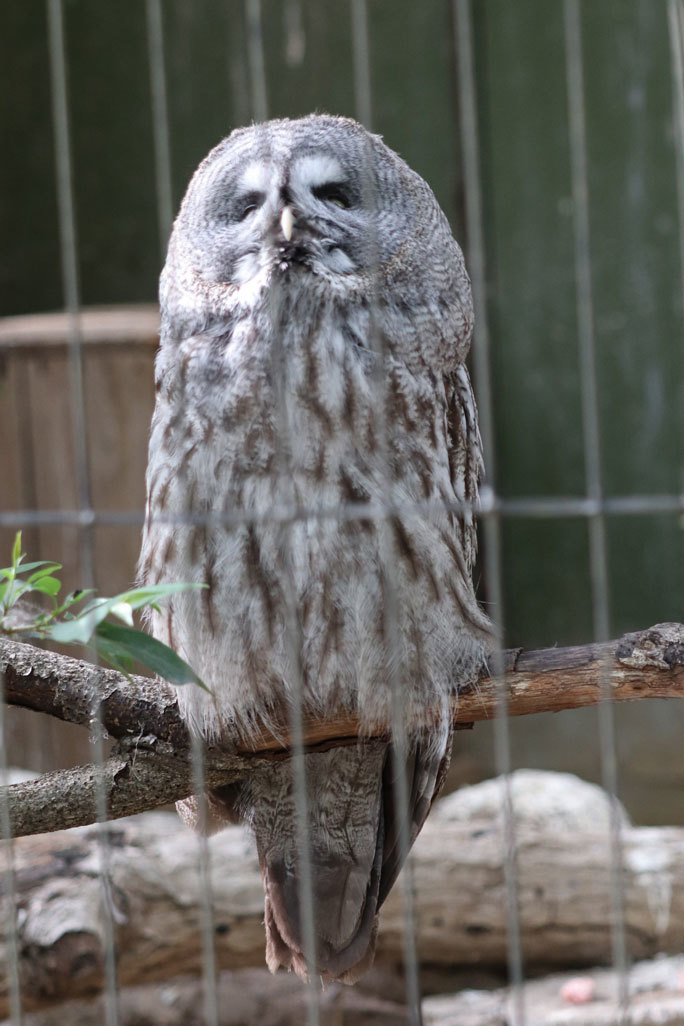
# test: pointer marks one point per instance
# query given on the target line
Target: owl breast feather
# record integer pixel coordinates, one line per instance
(278, 413)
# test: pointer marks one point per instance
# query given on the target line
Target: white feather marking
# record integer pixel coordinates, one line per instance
(315, 169)
(256, 177)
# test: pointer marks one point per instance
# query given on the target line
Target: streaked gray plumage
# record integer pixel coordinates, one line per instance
(316, 315)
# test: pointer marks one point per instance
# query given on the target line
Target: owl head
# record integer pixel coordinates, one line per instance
(321, 200)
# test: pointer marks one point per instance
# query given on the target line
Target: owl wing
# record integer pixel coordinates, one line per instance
(427, 763)
(425, 770)
(466, 464)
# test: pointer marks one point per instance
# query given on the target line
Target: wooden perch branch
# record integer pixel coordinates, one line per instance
(151, 765)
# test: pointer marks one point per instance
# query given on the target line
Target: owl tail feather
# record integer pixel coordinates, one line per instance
(354, 845)
(344, 910)
(346, 842)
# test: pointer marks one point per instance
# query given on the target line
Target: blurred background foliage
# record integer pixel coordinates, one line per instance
(636, 273)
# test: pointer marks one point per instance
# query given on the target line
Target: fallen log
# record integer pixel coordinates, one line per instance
(243, 996)
(653, 988)
(153, 891)
(650, 995)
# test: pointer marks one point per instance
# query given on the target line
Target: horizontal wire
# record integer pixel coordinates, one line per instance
(489, 505)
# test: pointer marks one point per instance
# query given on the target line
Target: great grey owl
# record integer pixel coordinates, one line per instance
(316, 315)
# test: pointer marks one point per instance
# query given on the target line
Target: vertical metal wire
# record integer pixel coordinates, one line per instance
(70, 278)
(255, 60)
(8, 876)
(464, 45)
(164, 191)
(209, 973)
(362, 66)
(160, 121)
(296, 727)
(592, 457)
(69, 261)
(209, 965)
(399, 748)
(399, 754)
(295, 37)
(97, 739)
(675, 11)
(258, 93)
(259, 104)
(585, 315)
(286, 497)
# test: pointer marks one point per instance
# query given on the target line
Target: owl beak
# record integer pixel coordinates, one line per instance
(287, 220)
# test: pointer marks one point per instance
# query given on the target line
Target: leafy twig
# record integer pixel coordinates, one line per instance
(71, 622)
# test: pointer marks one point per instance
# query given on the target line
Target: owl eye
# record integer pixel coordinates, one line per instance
(248, 204)
(333, 192)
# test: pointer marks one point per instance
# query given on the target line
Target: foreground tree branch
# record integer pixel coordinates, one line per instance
(152, 765)
(154, 889)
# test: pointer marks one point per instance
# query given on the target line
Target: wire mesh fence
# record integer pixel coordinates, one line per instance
(597, 504)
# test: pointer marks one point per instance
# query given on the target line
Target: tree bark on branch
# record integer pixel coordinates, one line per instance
(151, 765)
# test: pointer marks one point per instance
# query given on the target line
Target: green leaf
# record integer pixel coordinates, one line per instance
(15, 589)
(124, 612)
(114, 654)
(16, 550)
(82, 627)
(48, 586)
(138, 597)
(73, 632)
(46, 568)
(24, 568)
(72, 599)
(118, 645)
(133, 644)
